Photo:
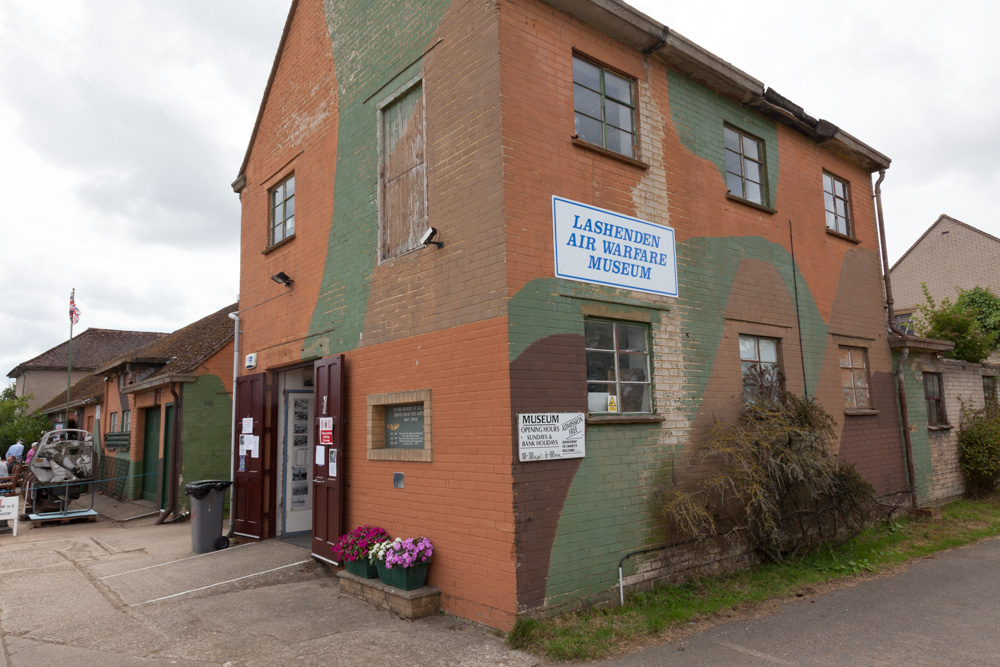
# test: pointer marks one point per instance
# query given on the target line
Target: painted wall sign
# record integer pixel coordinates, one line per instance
(404, 426)
(543, 437)
(593, 245)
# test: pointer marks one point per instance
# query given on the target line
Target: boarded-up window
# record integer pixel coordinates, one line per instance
(402, 173)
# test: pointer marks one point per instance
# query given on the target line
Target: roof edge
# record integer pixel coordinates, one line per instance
(630, 26)
(241, 178)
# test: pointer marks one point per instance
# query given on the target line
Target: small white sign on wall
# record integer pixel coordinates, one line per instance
(556, 435)
(597, 246)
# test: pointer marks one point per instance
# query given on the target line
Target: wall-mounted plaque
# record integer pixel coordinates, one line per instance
(404, 426)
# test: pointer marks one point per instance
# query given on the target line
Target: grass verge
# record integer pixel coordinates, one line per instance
(647, 616)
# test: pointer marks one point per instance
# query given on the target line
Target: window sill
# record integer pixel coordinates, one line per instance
(625, 419)
(284, 241)
(939, 427)
(833, 232)
(608, 153)
(747, 202)
(860, 412)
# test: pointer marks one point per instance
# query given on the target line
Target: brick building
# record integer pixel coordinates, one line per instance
(170, 397)
(949, 257)
(43, 378)
(463, 220)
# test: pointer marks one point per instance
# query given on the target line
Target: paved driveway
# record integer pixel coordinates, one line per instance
(113, 593)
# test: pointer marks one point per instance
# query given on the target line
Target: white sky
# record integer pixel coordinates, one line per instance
(123, 123)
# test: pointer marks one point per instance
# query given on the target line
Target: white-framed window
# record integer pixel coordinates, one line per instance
(604, 107)
(402, 172)
(837, 201)
(126, 421)
(854, 378)
(746, 175)
(618, 366)
(760, 367)
(113, 423)
(282, 207)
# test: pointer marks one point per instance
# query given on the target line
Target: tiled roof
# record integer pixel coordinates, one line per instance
(91, 349)
(185, 349)
(91, 387)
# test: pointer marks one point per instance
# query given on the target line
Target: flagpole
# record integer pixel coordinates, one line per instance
(69, 354)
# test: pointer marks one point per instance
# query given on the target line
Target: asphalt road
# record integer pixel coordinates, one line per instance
(942, 610)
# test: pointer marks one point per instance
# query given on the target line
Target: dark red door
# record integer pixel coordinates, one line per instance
(328, 456)
(248, 476)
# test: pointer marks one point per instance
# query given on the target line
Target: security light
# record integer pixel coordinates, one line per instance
(426, 239)
(282, 279)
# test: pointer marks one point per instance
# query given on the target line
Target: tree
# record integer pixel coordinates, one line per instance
(986, 307)
(17, 421)
(957, 323)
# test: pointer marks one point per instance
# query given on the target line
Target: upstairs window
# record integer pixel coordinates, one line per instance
(113, 424)
(126, 421)
(402, 171)
(282, 199)
(617, 366)
(604, 108)
(836, 198)
(760, 368)
(934, 396)
(745, 175)
(854, 378)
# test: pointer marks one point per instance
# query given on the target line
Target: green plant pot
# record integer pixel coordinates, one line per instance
(361, 568)
(405, 578)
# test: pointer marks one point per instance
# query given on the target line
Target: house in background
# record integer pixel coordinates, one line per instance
(463, 222)
(84, 407)
(167, 406)
(949, 257)
(44, 376)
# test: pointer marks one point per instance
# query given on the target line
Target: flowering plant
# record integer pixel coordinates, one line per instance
(401, 553)
(356, 544)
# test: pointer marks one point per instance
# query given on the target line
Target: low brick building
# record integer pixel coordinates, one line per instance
(504, 264)
(166, 404)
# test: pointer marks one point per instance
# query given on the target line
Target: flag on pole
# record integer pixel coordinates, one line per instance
(74, 312)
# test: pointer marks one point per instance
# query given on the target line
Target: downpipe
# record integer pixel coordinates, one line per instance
(235, 317)
(904, 412)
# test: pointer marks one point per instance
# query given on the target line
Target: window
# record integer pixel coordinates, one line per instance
(402, 172)
(604, 108)
(760, 369)
(283, 210)
(113, 426)
(126, 421)
(836, 198)
(617, 366)
(745, 175)
(905, 321)
(990, 391)
(934, 395)
(854, 378)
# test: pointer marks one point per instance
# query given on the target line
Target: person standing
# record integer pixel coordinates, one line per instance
(16, 450)
(31, 453)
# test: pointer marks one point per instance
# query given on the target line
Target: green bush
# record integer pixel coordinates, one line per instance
(956, 322)
(979, 450)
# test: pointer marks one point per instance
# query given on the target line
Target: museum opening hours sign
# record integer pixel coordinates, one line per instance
(593, 245)
(556, 435)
